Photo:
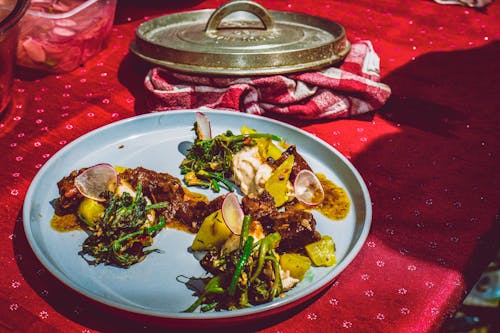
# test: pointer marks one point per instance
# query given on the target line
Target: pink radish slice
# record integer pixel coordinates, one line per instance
(96, 180)
(63, 32)
(204, 130)
(57, 5)
(35, 50)
(232, 213)
(65, 23)
(308, 188)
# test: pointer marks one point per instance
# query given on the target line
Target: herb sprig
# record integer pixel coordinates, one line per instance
(241, 280)
(208, 162)
(121, 237)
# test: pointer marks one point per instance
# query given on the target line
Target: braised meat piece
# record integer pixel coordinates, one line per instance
(160, 187)
(191, 213)
(298, 164)
(297, 229)
(157, 186)
(215, 204)
(69, 196)
(213, 262)
(260, 208)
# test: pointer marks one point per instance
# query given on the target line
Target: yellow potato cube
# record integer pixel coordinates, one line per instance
(296, 264)
(90, 211)
(212, 234)
(322, 252)
(277, 184)
(266, 147)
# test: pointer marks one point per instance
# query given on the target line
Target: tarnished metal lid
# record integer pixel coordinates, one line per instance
(240, 38)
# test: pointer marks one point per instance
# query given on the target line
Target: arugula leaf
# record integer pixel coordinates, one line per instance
(209, 163)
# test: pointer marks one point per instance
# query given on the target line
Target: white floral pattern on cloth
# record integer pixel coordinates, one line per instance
(404, 275)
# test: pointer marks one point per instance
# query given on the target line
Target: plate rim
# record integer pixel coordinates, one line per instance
(193, 318)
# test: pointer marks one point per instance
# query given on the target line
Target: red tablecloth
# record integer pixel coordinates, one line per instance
(430, 158)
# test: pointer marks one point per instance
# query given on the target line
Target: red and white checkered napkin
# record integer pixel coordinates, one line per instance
(349, 89)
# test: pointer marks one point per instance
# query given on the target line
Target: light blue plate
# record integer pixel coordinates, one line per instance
(151, 288)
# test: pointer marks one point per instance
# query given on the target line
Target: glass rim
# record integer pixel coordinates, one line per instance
(14, 16)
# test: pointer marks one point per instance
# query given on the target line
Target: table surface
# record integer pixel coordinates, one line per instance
(429, 158)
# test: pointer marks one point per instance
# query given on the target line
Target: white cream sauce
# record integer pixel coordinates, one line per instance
(250, 170)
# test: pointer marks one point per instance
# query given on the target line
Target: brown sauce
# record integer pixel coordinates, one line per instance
(70, 222)
(195, 196)
(65, 223)
(335, 205)
(189, 195)
(174, 224)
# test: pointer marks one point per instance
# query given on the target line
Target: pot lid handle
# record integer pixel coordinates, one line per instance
(239, 5)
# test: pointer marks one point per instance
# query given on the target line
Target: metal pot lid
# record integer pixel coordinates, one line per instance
(240, 38)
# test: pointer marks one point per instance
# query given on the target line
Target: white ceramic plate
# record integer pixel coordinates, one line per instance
(151, 288)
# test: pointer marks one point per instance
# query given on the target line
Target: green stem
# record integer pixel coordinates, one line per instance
(196, 304)
(277, 284)
(214, 184)
(245, 228)
(157, 205)
(159, 226)
(138, 193)
(254, 136)
(217, 177)
(247, 249)
(212, 287)
(117, 243)
(266, 245)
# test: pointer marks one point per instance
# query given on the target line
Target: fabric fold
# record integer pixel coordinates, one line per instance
(351, 88)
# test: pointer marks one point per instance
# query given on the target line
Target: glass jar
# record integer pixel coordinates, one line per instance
(59, 35)
(11, 11)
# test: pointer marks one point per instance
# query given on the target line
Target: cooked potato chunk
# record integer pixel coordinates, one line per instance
(277, 184)
(213, 233)
(296, 264)
(90, 211)
(322, 252)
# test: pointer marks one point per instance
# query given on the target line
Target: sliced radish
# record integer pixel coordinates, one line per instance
(65, 23)
(34, 50)
(204, 131)
(308, 188)
(59, 6)
(63, 32)
(96, 180)
(232, 213)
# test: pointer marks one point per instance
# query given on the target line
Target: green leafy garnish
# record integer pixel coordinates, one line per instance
(122, 235)
(241, 280)
(209, 163)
